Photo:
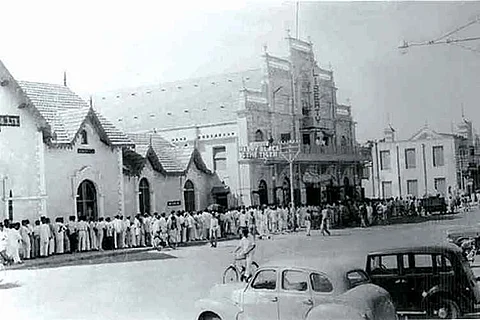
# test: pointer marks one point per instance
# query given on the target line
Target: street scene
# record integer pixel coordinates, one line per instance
(240, 160)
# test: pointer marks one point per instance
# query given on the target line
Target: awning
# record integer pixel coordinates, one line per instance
(312, 177)
(217, 190)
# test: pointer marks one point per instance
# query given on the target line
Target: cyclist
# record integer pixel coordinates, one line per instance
(245, 251)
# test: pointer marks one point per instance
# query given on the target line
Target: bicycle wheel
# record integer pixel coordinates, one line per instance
(3, 272)
(230, 275)
(254, 268)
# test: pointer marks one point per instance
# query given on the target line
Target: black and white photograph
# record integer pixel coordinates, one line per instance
(239, 160)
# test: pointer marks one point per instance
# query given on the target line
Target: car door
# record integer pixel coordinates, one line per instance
(260, 298)
(384, 271)
(295, 298)
(322, 288)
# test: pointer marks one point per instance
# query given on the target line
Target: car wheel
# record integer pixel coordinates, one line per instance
(446, 309)
(209, 316)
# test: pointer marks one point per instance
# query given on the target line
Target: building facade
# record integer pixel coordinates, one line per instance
(429, 163)
(240, 121)
(60, 157)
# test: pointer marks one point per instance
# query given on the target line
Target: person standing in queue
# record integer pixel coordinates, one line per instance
(324, 224)
(214, 227)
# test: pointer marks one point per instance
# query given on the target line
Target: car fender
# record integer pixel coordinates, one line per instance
(224, 308)
(334, 311)
(439, 290)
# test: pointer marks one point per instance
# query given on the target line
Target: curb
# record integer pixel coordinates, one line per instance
(69, 257)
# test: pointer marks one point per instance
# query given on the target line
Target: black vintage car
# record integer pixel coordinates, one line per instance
(432, 280)
(434, 204)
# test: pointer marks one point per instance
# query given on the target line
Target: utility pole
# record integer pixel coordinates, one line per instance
(289, 150)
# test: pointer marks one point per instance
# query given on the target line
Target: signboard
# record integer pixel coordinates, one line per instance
(174, 203)
(86, 151)
(9, 121)
(259, 151)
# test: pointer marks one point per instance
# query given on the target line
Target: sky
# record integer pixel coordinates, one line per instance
(105, 45)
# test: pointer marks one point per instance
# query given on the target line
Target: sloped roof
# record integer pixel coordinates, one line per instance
(198, 101)
(428, 133)
(66, 112)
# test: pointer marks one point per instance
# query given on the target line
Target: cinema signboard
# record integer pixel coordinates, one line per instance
(259, 150)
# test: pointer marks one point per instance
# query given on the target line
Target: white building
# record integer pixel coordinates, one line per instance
(428, 163)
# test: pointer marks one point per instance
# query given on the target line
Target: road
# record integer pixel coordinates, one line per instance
(168, 288)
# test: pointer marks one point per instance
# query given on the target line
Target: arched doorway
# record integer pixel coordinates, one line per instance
(87, 200)
(263, 192)
(189, 196)
(144, 196)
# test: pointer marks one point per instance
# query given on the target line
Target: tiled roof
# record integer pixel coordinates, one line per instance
(65, 112)
(206, 100)
(165, 151)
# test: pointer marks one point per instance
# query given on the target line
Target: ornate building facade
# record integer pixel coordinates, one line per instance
(238, 122)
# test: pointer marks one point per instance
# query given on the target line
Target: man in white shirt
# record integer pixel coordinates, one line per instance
(245, 250)
(3, 245)
(45, 235)
(207, 217)
(118, 226)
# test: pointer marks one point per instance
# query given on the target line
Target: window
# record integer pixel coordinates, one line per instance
(412, 187)
(294, 281)
(306, 139)
(440, 185)
(285, 137)
(423, 263)
(320, 283)
(387, 189)
(189, 196)
(438, 156)
(443, 263)
(384, 264)
(385, 160)
(144, 196)
(219, 158)
(83, 137)
(265, 279)
(259, 135)
(356, 278)
(410, 159)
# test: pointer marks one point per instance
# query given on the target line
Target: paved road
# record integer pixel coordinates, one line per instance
(167, 289)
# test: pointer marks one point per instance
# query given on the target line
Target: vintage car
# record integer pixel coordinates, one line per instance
(434, 204)
(299, 289)
(464, 233)
(432, 280)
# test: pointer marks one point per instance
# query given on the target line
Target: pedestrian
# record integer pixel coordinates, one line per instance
(4, 245)
(207, 218)
(118, 234)
(214, 228)
(26, 242)
(59, 232)
(36, 240)
(51, 242)
(44, 237)
(109, 234)
(92, 230)
(14, 242)
(172, 230)
(82, 234)
(308, 221)
(72, 234)
(101, 228)
(324, 223)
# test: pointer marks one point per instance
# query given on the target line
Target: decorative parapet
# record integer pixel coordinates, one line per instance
(255, 96)
(300, 45)
(278, 63)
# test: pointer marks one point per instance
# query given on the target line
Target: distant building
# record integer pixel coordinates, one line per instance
(429, 163)
(60, 157)
(239, 120)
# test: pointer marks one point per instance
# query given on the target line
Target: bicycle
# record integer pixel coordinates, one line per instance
(234, 273)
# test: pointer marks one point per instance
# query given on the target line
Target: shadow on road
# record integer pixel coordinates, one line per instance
(9, 285)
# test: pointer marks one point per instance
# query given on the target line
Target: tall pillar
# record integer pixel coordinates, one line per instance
(120, 187)
(42, 189)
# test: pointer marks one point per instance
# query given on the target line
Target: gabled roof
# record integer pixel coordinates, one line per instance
(207, 100)
(430, 134)
(66, 112)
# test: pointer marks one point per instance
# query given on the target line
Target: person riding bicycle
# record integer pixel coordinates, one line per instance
(245, 251)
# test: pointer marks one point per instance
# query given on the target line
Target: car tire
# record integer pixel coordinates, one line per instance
(445, 308)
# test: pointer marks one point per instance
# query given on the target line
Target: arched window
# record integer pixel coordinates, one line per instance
(144, 196)
(259, 135)
(263, 192)
(189, 196)
(83, 137)
(87, 200)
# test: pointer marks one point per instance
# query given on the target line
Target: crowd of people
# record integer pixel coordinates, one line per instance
(22, 240)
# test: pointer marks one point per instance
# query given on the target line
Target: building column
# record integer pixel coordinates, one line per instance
(121, 193)
(153, 203)
(42, 189)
